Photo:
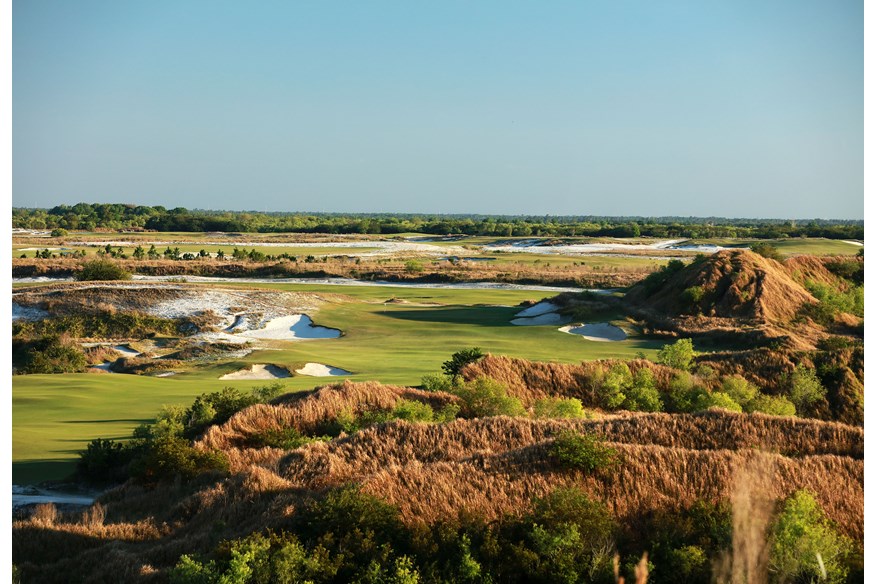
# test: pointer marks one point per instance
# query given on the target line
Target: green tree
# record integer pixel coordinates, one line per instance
(585, 452)
(460, 359)
(678, 355)
(806, 389)
(806, 547)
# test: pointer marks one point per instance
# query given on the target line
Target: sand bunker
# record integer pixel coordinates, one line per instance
(538, 309)
(598, 331)
(320, 370)
(259, 371)
(295, 327)
(542, 319)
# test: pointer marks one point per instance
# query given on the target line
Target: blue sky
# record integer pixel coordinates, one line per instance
(736, 108)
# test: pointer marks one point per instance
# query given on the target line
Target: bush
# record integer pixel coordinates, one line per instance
(570, 539)
(800, 535)
(50, 354)
(692, 297)
(436, 382)
(773, 405)
(104, 461)
(58, 232)
(171, 456)
(558, 407)
(678, 355)
(806, 389)
(413, 411)
(741, 391)
(485, 397)
(460, 359)
(584, 452)
(768, 251)
(642, 394)
(102, 270)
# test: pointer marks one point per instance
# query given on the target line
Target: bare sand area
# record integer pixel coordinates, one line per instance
(597, 331)
(320, 370)
(259, 371)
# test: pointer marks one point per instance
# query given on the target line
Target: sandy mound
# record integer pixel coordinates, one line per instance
(293, 327)
(320, 370)
(733, 284)
(597, 331)
(259, 371)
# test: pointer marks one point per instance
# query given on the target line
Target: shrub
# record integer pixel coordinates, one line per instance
(768, 251)
(413, 411)
(102, 270)
(741, 391)
(806, 389)
(104, 461)
(49, 354)
(570, 539)
(171, 456)
(286, 438)
(485, 397)
(616, 380)
(460, 359)
(582, 452)
(413, 267)
(717, 399)
(436, 382)
(642, 394)
(775, 405)
(58, 232)
(558, 407)
(801, 534)
(678, 355)
(692, 297)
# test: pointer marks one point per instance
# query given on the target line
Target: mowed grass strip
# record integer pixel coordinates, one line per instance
(55, 416)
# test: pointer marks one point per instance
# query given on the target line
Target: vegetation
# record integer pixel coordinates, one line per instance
(484, 397)
(678, 355)
(460, 359)
(805, 546)
(584, 452)
(102, 270)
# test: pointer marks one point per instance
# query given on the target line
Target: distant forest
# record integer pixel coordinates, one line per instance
(91, 217)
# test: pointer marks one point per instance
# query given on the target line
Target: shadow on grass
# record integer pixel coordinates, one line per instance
(31, 472)
(468, 315)
(117, 420)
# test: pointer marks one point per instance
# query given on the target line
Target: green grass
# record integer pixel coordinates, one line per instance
(55, 416)
(794, 246)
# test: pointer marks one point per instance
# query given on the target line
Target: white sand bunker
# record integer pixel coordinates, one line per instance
(294, 327)
(548, 318)
(598, 331)
(259, 371)
(320, 370)
(538, 309)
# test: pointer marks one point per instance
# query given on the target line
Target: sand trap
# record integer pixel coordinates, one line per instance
(320, 370)
(538, 309)
(542, 319)
(166, 374)
(293, 327)
(103, 368)
(126, 351)
(599, 331)
(259, 371)
(858, 243)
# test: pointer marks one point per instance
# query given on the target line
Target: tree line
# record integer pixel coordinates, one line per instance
(100, 216)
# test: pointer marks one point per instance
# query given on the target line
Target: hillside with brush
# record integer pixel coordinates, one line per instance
(374, 483)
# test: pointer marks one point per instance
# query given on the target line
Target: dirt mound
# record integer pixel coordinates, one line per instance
(737, 284)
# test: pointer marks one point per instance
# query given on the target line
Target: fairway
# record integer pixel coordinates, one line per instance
(55, 416)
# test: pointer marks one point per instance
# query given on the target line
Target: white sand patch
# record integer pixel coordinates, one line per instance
(320, 370)
(166, 374)
(542, 319)
(538, 309)
(27, 312)
(40, 249)
(259, 371)
(598, 331)
(858, 243)
(126, 351)
(293, 327)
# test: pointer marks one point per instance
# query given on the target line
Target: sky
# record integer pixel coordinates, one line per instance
(736, 108)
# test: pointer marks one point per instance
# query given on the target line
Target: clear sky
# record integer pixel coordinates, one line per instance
(737, 108)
